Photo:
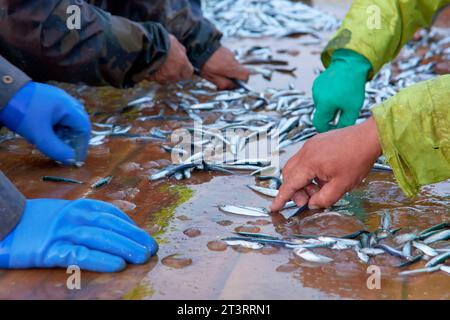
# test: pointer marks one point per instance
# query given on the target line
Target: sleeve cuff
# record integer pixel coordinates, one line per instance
(12, 206)
(203, 44)
(405, 179)
(12, 80)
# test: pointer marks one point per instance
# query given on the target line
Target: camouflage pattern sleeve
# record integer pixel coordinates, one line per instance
(182, 18)
(12, 206)
(106, 49)
(11, 80)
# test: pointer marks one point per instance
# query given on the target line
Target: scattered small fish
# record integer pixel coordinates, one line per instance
(60, 179)
(245, 210)
(100, 183)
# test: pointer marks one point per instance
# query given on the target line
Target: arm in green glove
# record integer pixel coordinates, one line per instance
(414, 132)
(340, 88)
(358, 51)
(381, 42)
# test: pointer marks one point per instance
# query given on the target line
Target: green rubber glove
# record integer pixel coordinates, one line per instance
(341, 87)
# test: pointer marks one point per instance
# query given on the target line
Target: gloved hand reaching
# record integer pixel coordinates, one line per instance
(340, 87)
(91, 234)
(51, 119)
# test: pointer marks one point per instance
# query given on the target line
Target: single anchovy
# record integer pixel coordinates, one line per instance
(428, 234)
(402, 238)
(438, 259)
(245, 244)
(246, 211)
(256, 235)
(418, 271)
(265, 191)
(372, 251)
(390, 250)
(443, 235)
(240, 167)
(139, 101)
(348, 242)
(262, 240)
(311, 256)
(310, 245)
(410, 261)
(439, 226)
(101, 182)
(229, 96)
(60, 179)
(425, 249)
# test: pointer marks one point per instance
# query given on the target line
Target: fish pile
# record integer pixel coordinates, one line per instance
(262, 18)
(431, 245)
(287, 113)
(281, 117)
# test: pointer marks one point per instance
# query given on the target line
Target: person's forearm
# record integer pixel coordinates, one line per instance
(12, 206)
(378, 29)
(414, 131)
(182, 18)
(11, 80)
(105, 50)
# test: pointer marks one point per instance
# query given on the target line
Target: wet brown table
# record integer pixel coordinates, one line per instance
(167, 208)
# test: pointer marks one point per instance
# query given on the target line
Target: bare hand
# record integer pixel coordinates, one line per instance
(176, 67)
(221, 67)
(337, 160)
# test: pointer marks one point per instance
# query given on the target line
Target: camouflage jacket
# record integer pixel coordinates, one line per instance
(119, 42)
(12, 202)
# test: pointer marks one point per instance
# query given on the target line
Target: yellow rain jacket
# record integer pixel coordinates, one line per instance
(414, 125)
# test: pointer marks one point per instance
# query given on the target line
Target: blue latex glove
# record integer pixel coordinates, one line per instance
(50, 119)
(92, 234)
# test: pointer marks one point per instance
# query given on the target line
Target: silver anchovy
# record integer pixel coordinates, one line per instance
(442, 235)
(245, 210)
(265, 191)
(245, 244)
(419, 271)
(425, 249)
(311, 256)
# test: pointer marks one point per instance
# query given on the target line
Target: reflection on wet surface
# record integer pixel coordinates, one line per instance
(183, 216)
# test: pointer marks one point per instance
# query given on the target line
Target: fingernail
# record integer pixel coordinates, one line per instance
(313, 206)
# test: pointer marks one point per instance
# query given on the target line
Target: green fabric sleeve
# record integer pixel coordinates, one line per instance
(380, 43)
(414, 130)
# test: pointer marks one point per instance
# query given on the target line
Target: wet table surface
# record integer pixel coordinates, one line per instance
(192, 267)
